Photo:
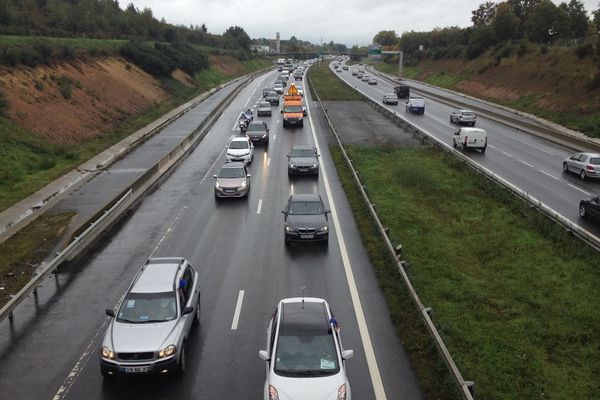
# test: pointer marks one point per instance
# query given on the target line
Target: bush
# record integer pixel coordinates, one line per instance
(522, 50)
(594, 83)
(162, 58)
(3, 103)
(65, 85)
(44, 50)
(584, 50)
(67, 52)
(39, 86)
(30, 57)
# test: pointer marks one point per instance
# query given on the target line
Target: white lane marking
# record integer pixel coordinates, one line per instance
(526, 163)
(238, 309)
(259, 206)
(213, 165)
(68, 382)
(169, 230)
(581, 190)
(550, 175)
(269, 160)
(360, 316)
(506, 154)
(236, 125)
(491, 146)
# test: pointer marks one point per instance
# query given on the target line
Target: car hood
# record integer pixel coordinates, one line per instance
(230, 182)
(306, 221)
(238, 152)
(256, 133)
(318, 388)
(303, 161)
(133, 338)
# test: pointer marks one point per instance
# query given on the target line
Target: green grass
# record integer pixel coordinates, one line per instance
(407, 72)
(330, 88)
(514, 296)
(24, 251)
(111, 45)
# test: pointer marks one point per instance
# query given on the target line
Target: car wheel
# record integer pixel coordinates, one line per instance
(582, 211)
(451, 120)
(453, 143)
(105, 374)
(565, 167)
(582, 174)
(287, 241)
(472, 123)
(197, 314)
(483, 149)
(181, 362)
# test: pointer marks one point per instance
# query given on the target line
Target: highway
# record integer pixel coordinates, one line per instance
(237, 246)
(531, 163)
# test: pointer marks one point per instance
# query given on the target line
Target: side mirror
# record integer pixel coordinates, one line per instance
(214, 176)
(288, 155)
(248, 176)
(327, 211)
(457, 132)
(317, 155)
(110, 312)
(187, 310)
(284, 212)
(281, 111)
(346, 354)
(264, 355)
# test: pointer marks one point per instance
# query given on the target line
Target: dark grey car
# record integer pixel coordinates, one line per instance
(303, 159)
(306, 219)
(273, 98)
(258, 131)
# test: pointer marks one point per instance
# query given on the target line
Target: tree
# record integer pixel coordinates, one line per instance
(238, 36)
(203, 28)
(485, 14)
(578, 18)
(546, 23)
(506, 24)
(386, 38)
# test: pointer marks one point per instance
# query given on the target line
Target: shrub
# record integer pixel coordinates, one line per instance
(584, 50)
(30, 57)
(3, 102)
(65, 85)
(44, 50)
(67, 52)
(522, 50)
(594, 83)
(39, 86)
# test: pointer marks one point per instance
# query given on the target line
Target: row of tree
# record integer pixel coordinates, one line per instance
(295, 45)
(105, 19)
(538, 21)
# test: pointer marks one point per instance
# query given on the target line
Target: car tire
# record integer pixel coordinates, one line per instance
(198, 312)
(582, 175)
(105, 374)
(453, 143)
(181, 362)
(472, 123)
(287, 241)
(483, 149)
(582, 211)
(451, 120)
(565, 167)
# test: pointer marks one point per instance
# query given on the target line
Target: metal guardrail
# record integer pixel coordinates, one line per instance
(466, 388)
(109, 214)
(536, 128)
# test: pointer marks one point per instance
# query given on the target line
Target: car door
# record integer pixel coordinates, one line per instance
(595, 207)
(190, 291)
(573, 162)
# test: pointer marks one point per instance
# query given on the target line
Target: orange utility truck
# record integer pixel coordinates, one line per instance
(293, 111)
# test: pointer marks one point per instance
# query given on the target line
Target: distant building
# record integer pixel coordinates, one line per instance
(277, 44)
(260, 48)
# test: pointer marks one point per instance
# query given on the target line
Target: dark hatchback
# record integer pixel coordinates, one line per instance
(303, 160)
(258, 131)
(306, 219)
(273, 98)
(590, 208)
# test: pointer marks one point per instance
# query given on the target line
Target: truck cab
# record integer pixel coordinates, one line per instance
(292, 111)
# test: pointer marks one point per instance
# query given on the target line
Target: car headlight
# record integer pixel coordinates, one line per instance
(244, 184)
(273, 395)
(292, 166)
(315, 165)
(342, 392)
(167, 351)
(264, 136)
(324, 229)
(288, 229)
(105, 352)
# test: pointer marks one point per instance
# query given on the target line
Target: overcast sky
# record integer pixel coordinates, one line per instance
(356, 22)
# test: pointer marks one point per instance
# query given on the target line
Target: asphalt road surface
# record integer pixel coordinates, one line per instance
(530, 163)
(51, 349)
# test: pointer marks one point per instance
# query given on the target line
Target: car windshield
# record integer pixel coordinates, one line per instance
(232, 173)
(271, 94)
(306, 355)
(256, 127)
(292, 109)
(468, 113)
(305, 208)
(595, 160)
(238, 144)
(302, 153)
(278, 85)
(139, 308)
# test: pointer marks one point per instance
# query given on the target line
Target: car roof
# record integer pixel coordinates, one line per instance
(158, 276)
(589, 154)
(239, 139)
(305, 197)
(261, 123)
(308, 315)
(303, 147)
(464, 110)
(234, 164)
(472, 130)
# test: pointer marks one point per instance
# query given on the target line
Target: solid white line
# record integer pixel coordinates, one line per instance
(268, 161)
(169, 230)
(526, 163)
(259, 206)
(550, 175)
(358, 310)
(238, 309)
(581, 190)
(213, 165)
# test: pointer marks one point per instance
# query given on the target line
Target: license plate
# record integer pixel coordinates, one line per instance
(135, 370)
(229, 190)
(307, 236)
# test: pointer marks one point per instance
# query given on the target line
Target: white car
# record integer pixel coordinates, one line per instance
(470, 138)
(372, 81)
(304, 356)
(240, 149)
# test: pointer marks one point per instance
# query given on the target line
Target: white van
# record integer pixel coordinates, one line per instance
(470, 138)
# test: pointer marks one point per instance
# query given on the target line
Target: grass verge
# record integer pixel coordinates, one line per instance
(26, 249)
(514, 296)
(330, 88)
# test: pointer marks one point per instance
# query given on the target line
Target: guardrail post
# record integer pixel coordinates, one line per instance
(429, 311)
(398, 251)
(471, 386)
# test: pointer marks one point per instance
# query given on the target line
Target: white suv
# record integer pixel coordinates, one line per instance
(304, 356)
(149, 332)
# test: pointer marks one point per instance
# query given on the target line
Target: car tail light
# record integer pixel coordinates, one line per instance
(590, 168)
(342, 392)
(273, 395)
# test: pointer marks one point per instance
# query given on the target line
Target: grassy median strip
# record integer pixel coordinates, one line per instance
(22, 253)
(514, 296)
(330, 88)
